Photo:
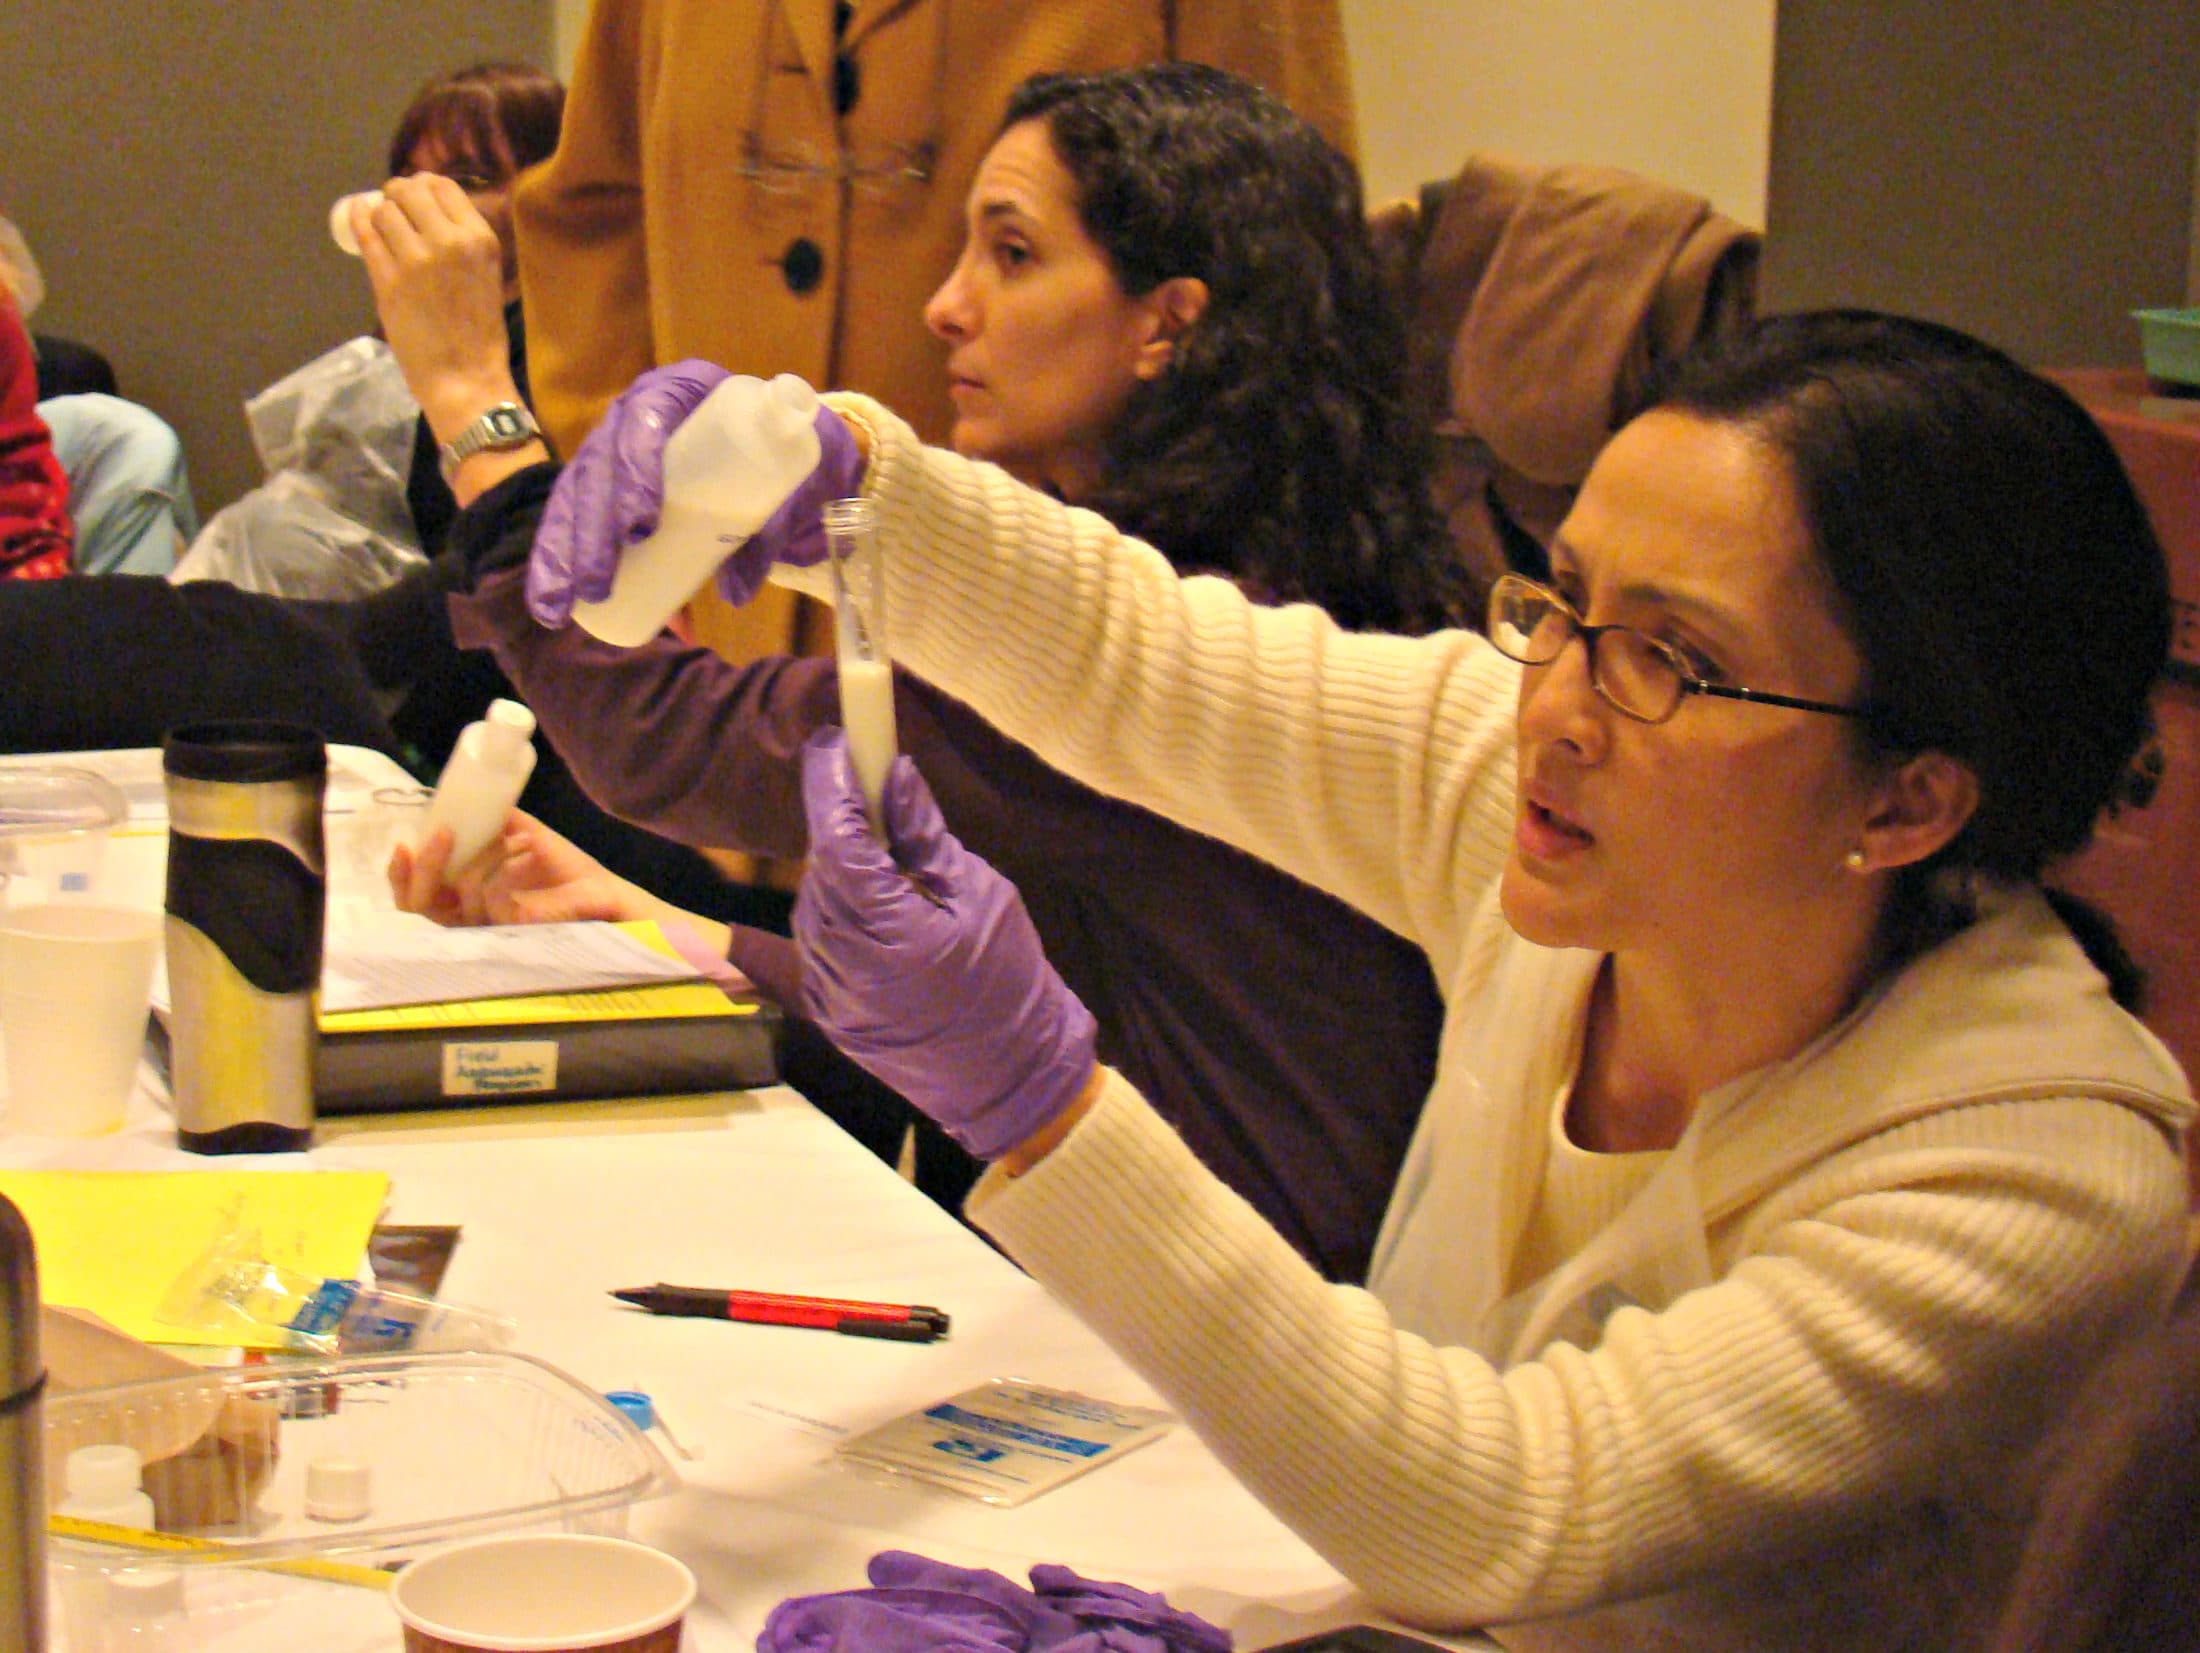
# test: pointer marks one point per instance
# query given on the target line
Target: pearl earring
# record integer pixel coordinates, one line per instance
(1854, 860)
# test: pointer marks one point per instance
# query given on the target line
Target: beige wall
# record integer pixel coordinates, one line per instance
(1550, 80)
(172, 162)
(1678, 89)
(2020, 168)
(2192, 265)
(2030, 168)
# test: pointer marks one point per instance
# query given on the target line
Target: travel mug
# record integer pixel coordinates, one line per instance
(245, 905)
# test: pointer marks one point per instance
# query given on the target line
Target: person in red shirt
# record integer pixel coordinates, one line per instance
(34, 493)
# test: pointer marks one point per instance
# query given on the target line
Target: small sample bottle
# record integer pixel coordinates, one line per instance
(134, 1607)
(338, 1489)
(107, 1483)
(732, 463)
(859, 645)
(339, 219)
(482, 782)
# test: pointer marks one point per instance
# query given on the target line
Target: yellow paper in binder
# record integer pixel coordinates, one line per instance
(113, 1242)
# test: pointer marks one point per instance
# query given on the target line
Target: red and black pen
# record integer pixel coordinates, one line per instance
(899, 1322)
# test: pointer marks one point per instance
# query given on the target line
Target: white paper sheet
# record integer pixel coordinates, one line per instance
(387, 966)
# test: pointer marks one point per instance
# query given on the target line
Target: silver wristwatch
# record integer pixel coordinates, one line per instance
(507, 425)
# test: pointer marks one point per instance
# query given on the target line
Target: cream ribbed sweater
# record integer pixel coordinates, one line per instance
(1920, 1232)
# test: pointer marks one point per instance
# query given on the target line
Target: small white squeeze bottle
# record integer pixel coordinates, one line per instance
(482, 782)
(745, 448)
(106, 1483)
(339, 219)
(859, 646)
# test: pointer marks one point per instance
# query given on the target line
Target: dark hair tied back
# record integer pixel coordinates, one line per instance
(1997, 570)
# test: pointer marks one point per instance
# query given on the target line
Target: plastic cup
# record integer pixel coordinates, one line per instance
(75, 982)
(544, 1593)
(400, 816)
(54, 825)
(359, 844)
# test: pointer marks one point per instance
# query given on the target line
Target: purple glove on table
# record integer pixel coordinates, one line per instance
(923, 1606)
(610, 495)
(943, 992)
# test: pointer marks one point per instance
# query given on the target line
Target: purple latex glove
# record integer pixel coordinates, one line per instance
(918, 1605)
(1128, 1619)
(891, 1621)
(611, 494)
(942, 992)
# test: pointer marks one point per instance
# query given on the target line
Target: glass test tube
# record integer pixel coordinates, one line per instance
(859, 644)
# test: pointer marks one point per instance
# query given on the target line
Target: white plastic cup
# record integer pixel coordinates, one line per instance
(544, 1593)
(399, 816)
(732, 463)
(360, 841)
(75, 985)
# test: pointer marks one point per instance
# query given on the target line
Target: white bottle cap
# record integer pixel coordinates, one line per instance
(102, 1474)
(338, 1489)
(793, 393)
(511, 715)
(339, 219)
(137, 1594)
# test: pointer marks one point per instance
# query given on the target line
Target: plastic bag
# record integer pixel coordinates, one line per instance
(331, 520)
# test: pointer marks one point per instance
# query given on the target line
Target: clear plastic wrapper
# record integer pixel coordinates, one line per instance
(233, 1293)
(331, 519)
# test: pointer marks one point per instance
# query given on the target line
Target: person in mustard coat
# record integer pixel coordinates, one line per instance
(778, 185)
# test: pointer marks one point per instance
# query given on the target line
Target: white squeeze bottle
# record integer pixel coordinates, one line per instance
(859, 645)
(488, 769)
(727, 468)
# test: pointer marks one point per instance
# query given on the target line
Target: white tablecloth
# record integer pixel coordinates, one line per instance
(562, 1204)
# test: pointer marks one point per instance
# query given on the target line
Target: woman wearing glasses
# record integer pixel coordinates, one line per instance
(1788, 1164)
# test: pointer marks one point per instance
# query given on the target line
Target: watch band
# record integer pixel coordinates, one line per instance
(506, 425)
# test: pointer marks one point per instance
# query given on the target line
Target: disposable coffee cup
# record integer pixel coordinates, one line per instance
(544, 1593)
(75, 981)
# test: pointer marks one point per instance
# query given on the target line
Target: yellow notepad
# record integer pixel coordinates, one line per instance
(114, 1241)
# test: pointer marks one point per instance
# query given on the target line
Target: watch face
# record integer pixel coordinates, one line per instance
(505, 424)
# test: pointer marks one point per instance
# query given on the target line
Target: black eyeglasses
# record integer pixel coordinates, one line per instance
(1633, 671)
(782, 166)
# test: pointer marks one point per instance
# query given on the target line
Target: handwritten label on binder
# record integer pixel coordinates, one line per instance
(500, 1067)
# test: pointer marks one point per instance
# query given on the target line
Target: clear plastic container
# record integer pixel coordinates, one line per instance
(455, 1446)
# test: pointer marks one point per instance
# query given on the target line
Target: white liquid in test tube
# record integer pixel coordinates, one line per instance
(859, 646)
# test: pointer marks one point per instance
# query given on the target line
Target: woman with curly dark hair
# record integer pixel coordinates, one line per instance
(1273, 443)
(1166, 310)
